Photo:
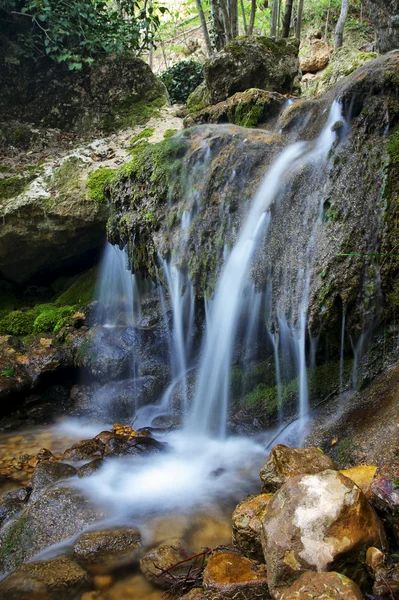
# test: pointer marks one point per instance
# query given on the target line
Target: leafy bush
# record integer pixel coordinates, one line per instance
(181, 79)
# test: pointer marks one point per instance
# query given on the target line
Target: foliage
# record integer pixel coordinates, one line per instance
(78, 31)
(181, 79)
(17, 322)
(8, 372)
(169, 133)
(81, 291)
(50, 317)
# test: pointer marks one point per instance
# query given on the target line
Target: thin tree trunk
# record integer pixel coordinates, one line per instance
(218, 33)
(252, 19)
(287, 18)
(273, 22)
(204, 27)
(339, 30)
(244, 17)
(299, 20)
(327, 20)
(279, 19)
(234, 18)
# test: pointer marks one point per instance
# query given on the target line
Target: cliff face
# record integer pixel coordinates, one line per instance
(384, 14)
(210, 174)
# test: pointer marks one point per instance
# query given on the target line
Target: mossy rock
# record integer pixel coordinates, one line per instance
(342, 63)
(252, 62)
(199, 98)
(247, 109)
(96, 182)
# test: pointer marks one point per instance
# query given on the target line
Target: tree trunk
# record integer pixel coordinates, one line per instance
(244, 17)
(252, 19)
(218, 33)
(204, 27)
(299, 20)
(273, 21)
(287, 18)
(339, 30)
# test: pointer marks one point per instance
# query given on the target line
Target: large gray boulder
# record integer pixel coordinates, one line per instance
(252, 62)
(384, 15)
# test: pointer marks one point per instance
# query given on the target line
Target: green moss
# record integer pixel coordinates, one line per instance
(199, 99)
(169, 132)
(12, 539)
(81, 292)
(12, 186)
(345, 453)
(150, 217)
(133, 112)
(8, 372)
(144, 134)
(50, 317)
(246, 115)
(96, 182)
(66, 179)
(17, 322)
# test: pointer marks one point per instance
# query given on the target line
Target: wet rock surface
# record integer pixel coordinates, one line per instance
(247, 526)
(319, 522)
(61, 579)
(106, 550)
(58, 514)
(384, 570)
(161, 558)
(230, 575)
(285, 462)
(320, 586)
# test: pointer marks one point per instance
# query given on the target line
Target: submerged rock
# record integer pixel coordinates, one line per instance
(58, 579)
(320, 586)
(247, 526)
(106, 550)
(230, 575)
(285, 462)
(161, 558)
(58, 514)
(252, 62)
(385, 495)
(318, 522)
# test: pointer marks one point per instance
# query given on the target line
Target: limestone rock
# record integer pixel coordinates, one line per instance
(106, 550)
(163, 557)
(58, 579)
(384, 15)
(321, 586)
(247, 526)
(363, 476)
(385, 495)
(318, 522)
(285, 462)
(58, 514)
(252, 62)
(230, 575)
(247, 109)
(316, 58)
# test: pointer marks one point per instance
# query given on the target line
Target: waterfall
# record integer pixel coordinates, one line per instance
(209, 412)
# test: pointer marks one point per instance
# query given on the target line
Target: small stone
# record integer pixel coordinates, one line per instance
(385, 495)
(321, 586)
(84, 450)
(106, 550)
(45, 454)
(385, 572)
(102, 582)
(285, 462)
(60, 579)
(161, 558)
(229, 575)
(247, 526)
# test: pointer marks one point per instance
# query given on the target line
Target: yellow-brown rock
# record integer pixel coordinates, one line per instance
(231, 576)
(285, 462)
(321, 586)
(362, 476)
(161, 558)
(247, 525)
(124, 430)
(194, 594)
(385, 571)
(318, 523)
(316, 58)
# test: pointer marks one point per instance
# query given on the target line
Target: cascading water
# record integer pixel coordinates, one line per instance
(210, 405)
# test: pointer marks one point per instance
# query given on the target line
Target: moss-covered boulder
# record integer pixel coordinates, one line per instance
(252, 62)
(199, 98)
(248, 109)
(115, 93)
(53, 221)
(341, 64)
